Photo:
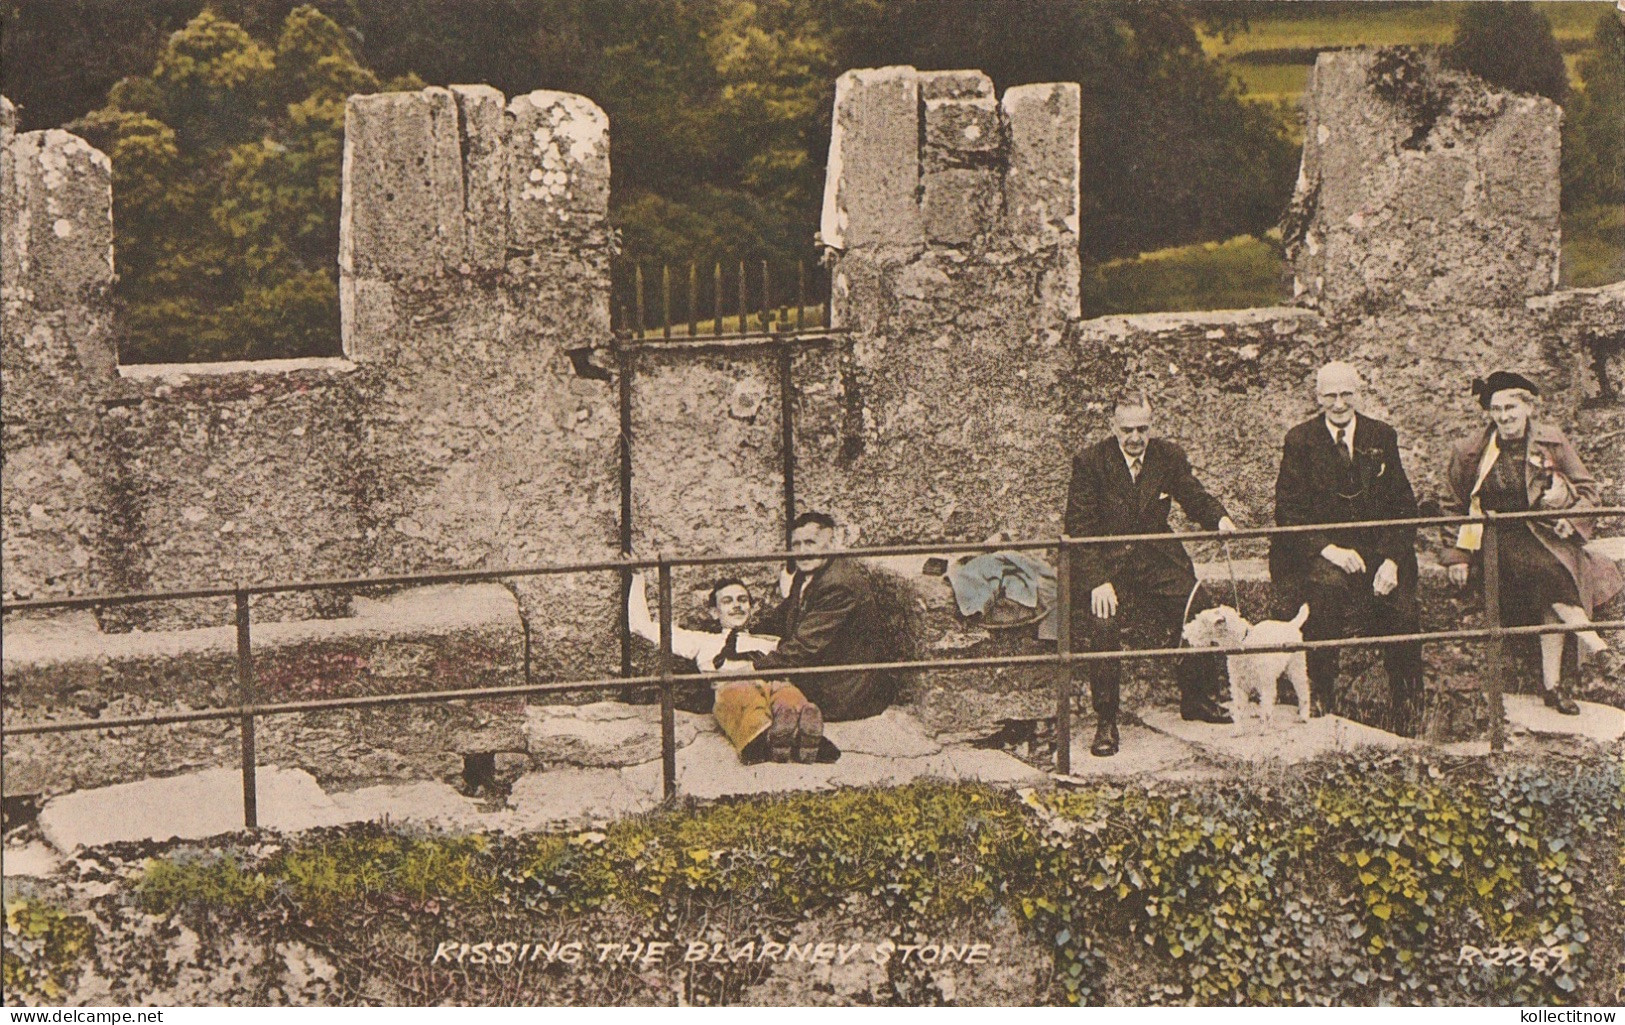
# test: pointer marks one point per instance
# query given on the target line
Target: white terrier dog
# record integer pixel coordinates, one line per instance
(1224, 627)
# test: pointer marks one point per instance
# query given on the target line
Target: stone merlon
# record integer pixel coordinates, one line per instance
(934, 157)
(449, 179)
(58, 230)
(448, 183)
(1422, 188)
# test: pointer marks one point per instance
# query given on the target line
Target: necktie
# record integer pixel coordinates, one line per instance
(730, 650)
(793, 614)
(1134, 469)
(1342, 445)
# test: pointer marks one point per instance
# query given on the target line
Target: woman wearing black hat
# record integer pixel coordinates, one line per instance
(1515, 464)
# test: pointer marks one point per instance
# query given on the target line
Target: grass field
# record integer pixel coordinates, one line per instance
(1594, 246)
(1236, 274)
(1272, 58)
(1381, 24)
(1245, 272)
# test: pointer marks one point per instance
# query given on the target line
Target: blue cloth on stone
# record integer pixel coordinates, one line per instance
(1028, 581)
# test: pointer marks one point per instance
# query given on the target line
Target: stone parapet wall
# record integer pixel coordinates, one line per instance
(473, 422)
(436, 638)
(457, 433)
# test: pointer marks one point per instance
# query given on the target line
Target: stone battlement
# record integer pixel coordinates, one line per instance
(474, 420)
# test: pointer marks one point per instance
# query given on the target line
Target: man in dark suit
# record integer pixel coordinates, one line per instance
(1126, 484)
(1342, 466)
(830, 618)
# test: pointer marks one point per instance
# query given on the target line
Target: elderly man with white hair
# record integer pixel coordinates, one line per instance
(1343, 466)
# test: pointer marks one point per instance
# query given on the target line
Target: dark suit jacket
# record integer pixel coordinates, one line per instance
(1314, 486)
(1103, 500)
(835, 622)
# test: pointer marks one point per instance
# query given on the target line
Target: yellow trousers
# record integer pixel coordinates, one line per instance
(744, 708)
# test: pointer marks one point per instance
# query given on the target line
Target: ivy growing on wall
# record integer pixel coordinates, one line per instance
(1408, 881)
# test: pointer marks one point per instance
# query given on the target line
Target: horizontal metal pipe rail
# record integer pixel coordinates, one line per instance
(876, 551)
(983, 662)
(248, 710)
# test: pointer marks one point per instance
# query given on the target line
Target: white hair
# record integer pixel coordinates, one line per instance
(1337, 366)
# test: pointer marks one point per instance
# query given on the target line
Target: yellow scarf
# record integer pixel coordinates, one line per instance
(1471, 535)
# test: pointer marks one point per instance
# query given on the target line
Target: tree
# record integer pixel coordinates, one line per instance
(226, 164)
(1171, 152)
(227, 148)
(1594, 128)
(1510, 45)
(58, 59)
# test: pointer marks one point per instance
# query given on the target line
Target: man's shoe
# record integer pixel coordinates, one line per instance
(1561, 703)
(1106, 740)
(1206, 712)
(781, 733)
(809, 734)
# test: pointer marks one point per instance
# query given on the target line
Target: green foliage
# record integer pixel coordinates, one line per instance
(43, 946)
(1593, 136)
(1594, 246)
(1510, 45)
(166, 886)
(323, 878)
(1356, 881)
(1241, 887)
(226, 164)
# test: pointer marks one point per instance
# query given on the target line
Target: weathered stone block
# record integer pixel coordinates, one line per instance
(60, 231)
(403, 185)
(731, 482)
(51, 518)
(558, 167)
(485, 174)
(961, 118)
(1041, 186)
(601, 734)
(1586, 330)
(368, 320)
(1422, 188)
(960, 84)
(874, 160)
(9, 208)
(960, 205)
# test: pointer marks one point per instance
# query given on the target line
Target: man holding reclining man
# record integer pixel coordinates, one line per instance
(829, 618)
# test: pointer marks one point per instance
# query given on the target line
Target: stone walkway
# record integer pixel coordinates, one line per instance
(603, 763)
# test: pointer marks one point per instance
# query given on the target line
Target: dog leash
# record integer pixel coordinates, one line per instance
(1235, 589)
(1230, 566)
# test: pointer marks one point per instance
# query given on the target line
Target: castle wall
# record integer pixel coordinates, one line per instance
(473, 421)
(56, 354)
(1422, 188)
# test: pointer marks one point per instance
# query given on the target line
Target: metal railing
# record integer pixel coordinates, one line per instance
(249, 709)
(769, 303)
(769, 313)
